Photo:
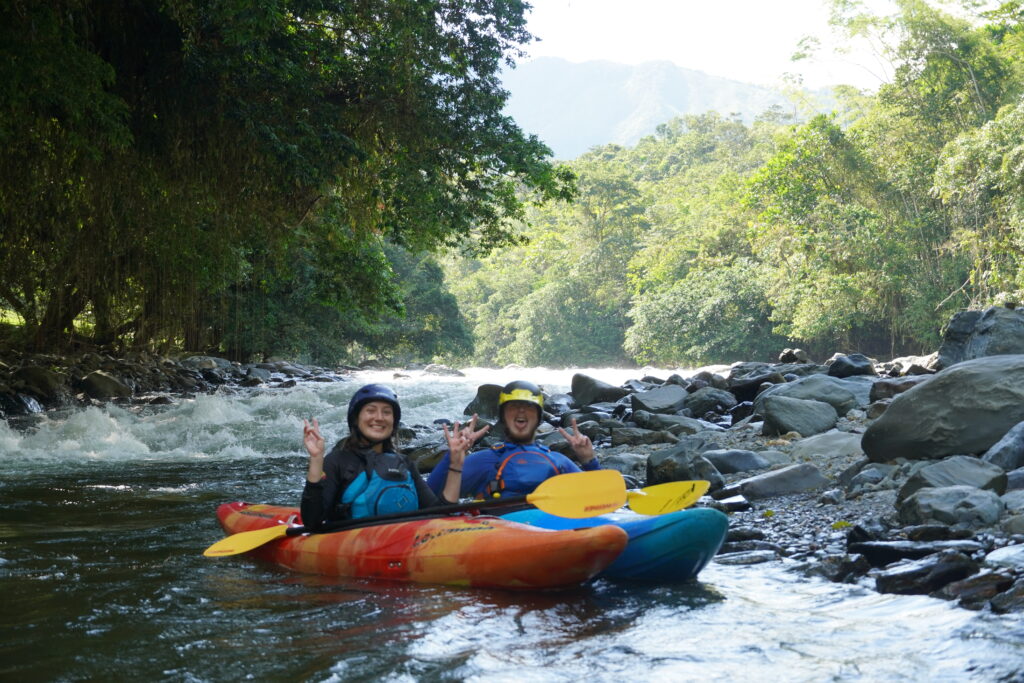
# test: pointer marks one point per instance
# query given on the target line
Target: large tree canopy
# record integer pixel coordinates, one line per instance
(158, 154)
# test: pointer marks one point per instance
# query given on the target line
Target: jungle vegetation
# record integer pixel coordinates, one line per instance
(325, 180)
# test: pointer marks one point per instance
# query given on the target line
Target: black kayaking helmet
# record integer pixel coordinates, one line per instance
(519, 390)
(368, 394)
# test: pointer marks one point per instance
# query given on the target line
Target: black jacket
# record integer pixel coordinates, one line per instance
(321, 502)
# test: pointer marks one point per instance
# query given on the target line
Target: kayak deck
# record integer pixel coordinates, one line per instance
(465, 550)
(663, 548)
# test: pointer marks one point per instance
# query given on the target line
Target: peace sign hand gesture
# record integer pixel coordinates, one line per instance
(580, 443)
(461, 439)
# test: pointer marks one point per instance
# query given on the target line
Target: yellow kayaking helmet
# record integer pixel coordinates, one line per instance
(519, 390)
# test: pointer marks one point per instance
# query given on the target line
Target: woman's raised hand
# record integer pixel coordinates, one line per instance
(460, 439)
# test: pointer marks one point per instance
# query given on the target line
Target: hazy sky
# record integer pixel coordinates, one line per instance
(747, 40)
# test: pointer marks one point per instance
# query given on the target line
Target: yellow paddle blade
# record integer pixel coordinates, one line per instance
(663, 498)
(245, 541)
(580, 494)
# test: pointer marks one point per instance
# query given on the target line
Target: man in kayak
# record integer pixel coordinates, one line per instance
(519, 464)
(363, 475)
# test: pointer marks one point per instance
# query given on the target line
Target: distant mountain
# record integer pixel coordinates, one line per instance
(575, 106)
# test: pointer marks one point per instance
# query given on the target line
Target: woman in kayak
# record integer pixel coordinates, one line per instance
(363, 476)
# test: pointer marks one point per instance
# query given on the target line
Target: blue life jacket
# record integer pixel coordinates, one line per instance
(383, 488)
(521, 468)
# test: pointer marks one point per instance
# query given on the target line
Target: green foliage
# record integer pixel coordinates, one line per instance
(161, 158)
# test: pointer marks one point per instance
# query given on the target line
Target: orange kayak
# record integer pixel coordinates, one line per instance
(466, 550)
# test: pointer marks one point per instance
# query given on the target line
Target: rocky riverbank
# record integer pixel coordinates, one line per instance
(907, 476)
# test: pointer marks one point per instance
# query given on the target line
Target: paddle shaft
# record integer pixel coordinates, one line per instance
(425, 513)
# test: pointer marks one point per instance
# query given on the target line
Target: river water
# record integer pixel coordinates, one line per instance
(106, 511)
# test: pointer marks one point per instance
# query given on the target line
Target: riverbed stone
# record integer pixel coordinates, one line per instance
(965, 505)
(485, 403)
(634, 436)
(964, 409)
(709, 399)
(1011, 600)
(997, 330)
(849, 365)
(664, 399)
(733, 460)
(881, 553)
(832, 443)
(891, 387)
(1011, 556)
(1008, 452)
(920, 577)
(784, 414)
(683, 462)
(975, 591)
(953, 471)
(100, 385)
(586, 390)
(839, 393)
(786, 481)
(678, 424)
(47, 385)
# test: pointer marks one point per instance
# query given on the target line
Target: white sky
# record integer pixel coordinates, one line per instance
(746, 40)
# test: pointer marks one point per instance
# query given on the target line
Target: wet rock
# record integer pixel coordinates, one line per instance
(99, 384)
(485, 403)
(975, 591)
(1011, 557)
(748, 545)
(750, 557)
(442, 370)
(926, 575)
(1011, 600)
(838, 568)
(49, 386)
(883, 553)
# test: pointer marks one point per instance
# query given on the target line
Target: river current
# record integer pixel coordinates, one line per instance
(106, 512)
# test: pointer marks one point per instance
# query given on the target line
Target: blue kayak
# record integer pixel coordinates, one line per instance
(670, 547)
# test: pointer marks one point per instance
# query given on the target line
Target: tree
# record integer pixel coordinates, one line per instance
(152, 148)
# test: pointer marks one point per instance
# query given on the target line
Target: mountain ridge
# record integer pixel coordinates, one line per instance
(573, 106)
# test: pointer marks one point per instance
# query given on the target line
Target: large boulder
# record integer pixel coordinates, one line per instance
(955, 471)
(963, 505)
(587, 390)
(976, 334)
(485, 403)
(100, 385)
(783, 414)
(665, 399)
(842, 394)
(963, 409)
(1008, 452)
